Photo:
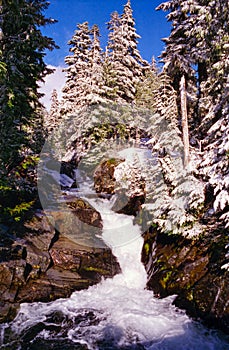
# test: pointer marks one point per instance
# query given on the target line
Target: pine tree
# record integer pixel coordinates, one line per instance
(134, 61)
(22, 48)
(199, 38)
(211, 53)
(109, 79)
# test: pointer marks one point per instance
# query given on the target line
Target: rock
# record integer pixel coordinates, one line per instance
(45, 264)
(89, 262)
(74, 267)
(11, 280)
(79, 222)
(67, 168)
(37, 260)
(8, 311)
(129, 199)
(54, 284)
(129, 205)
(191, 269)
(39, 223)
(85, 212)
(104, 180)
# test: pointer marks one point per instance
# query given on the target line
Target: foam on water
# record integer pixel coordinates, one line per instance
(115, 315)
(118, 313)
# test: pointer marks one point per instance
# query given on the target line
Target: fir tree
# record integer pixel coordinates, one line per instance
(22, 47)
(125, 58)
(199, 38)
(109, 79)
(78, 83)
(53, 117)
(204, 26)
(114, 57)
(178, 64)
(145, 89)
(96, 69)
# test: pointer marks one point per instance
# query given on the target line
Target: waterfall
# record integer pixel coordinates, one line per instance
(117, 313)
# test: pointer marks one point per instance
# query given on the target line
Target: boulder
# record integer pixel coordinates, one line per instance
(79, 221)
(129, 204)
(130, 193)
(104, 180)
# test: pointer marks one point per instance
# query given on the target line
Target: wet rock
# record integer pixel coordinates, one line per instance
(11, 280)
(131, 196)
(191, 269)
(8, 311)
(54, 256)
(89, 262)
(85, 212)
(38, 260)
(83, 226)
(65, 254)
(56, 344)
(54, 284)
(39, 231)
(67, 168)
(129, 205)
(104, 180)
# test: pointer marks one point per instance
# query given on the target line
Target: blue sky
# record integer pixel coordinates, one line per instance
(150, 24)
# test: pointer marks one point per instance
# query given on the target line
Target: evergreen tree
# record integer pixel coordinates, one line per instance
(211, 53)
(177, 59)
(109, 78)
(78, 82)
(114, 58)
(22, 47)
(204, 26)
(125, 58)
(145, 91)
(96, 69)
(199, 38)
(134, 59)
(53, 117)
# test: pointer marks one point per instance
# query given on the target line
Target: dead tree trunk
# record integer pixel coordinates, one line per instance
(184, 121)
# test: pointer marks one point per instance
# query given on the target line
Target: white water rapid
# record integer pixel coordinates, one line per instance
(118, 313)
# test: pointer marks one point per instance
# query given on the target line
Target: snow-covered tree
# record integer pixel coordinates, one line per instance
(130, 39)
(124, 56)
(145, 89)
(22, 48)
(52, 119)
(109, 78)
(95, 69)
(78, 82)
(114, 60)
(200, 38)
(176, 56)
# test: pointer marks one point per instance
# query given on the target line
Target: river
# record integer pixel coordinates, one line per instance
(117, 313)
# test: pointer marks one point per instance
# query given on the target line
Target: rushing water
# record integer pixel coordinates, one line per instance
(118, 313)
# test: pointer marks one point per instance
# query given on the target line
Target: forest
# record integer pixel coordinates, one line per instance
(112, 94)
(191, 89)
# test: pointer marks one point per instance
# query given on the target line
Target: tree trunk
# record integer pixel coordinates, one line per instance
(184, 121)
